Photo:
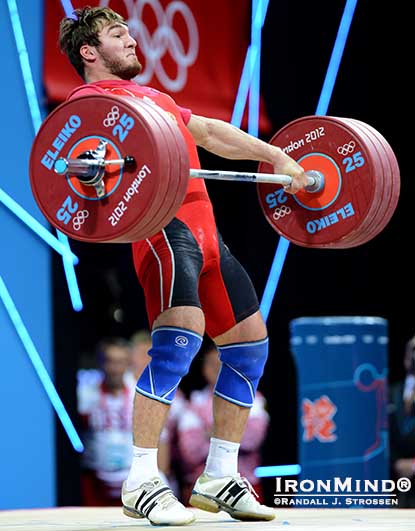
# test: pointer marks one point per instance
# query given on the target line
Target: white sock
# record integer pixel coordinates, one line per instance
(222, 459)
(143, 468)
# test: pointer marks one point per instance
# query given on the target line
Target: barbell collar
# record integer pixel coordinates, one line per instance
(316, 181)
(90, 172)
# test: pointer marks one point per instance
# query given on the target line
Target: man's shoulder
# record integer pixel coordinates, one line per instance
(85, 90)
(116, 87)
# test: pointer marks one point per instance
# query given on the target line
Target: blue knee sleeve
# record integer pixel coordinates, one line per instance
(172, 352)
(242, 367)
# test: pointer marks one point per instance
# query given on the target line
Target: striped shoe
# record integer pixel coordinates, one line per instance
(155, 500)
(234, 495)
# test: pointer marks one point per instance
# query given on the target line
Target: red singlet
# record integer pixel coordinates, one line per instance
(187, 263)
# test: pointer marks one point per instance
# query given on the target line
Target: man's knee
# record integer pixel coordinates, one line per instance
(242, 367)
(172, 352)
(250, 329)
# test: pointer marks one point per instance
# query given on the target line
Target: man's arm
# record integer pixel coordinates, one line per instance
(225, 140)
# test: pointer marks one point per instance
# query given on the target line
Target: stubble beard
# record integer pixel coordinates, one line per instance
(121, 69)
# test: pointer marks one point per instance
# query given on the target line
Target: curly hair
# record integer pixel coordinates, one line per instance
(83, 28)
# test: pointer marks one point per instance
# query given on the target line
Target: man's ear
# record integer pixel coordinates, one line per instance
(88, 53)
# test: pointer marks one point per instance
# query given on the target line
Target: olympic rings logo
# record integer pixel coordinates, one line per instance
(281, 212)
(181, 341)
(346, 148)
(112, 117)
(164, 40)
(80, 219)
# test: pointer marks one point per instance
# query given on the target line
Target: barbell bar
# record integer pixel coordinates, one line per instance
(89, 171)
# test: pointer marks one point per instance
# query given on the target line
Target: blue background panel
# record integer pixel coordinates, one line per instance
(27, 447)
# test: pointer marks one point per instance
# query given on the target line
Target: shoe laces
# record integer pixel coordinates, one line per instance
(244, 483)
(167, 500)
(151, 484)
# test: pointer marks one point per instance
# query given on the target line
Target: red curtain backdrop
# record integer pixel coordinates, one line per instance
(192, 49)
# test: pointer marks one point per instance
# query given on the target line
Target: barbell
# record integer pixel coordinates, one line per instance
(116, 169)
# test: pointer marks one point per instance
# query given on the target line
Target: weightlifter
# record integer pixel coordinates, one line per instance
(192, 284)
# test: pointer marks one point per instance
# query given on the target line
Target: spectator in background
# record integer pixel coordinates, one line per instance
(402, 427)
(105, 406)
(194, 427)
(409, 385)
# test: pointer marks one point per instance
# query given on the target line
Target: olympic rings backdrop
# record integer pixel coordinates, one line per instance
(176, 47)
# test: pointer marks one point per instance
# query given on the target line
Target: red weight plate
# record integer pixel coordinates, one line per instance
(369, 228)
(391, 189)
(324, 218)
(374, 222)
(392, 176)
(130, 195)
(153, 116)
(178, 177)
(180, 174)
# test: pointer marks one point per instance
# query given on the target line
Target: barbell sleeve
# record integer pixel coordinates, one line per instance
(86, 167)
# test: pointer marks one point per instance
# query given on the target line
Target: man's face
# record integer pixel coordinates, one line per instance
(116, 362)
(117, 51)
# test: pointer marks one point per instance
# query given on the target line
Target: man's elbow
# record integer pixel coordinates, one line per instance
(205, 131)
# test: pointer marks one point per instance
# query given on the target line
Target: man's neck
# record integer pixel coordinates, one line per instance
(100, 76)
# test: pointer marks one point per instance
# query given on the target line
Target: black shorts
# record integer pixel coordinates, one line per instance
(179, 269)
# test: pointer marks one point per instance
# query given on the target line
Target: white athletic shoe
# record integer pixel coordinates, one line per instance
(235, 495)
(155, 500)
